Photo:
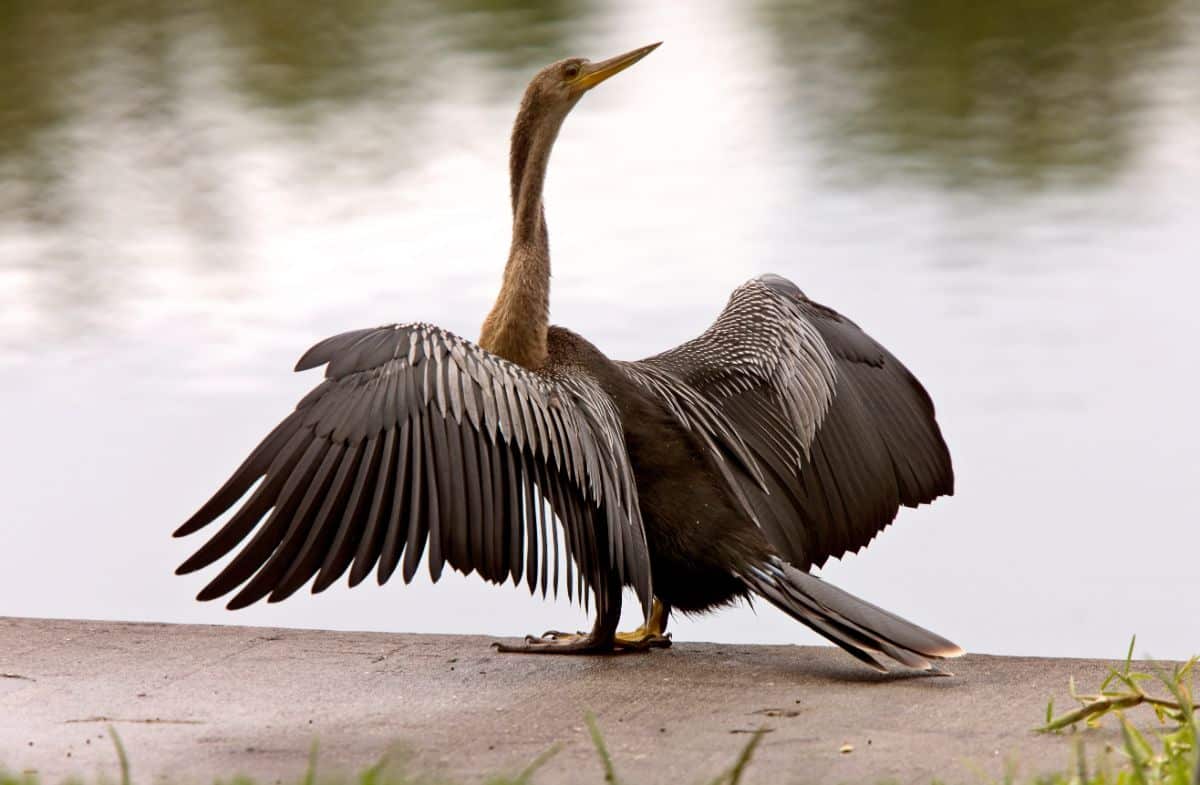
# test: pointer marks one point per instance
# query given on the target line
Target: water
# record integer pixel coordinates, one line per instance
(1006, 194)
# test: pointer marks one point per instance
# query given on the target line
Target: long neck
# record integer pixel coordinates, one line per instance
(516, 327)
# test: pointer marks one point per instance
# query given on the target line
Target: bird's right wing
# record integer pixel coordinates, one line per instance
(417, 437)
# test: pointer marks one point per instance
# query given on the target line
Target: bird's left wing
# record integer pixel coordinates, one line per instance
(417, 437)
(842, 434)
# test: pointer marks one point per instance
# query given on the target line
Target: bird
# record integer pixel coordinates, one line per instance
(722, 470)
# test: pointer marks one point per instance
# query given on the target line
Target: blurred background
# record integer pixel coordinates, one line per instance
(1006, 193)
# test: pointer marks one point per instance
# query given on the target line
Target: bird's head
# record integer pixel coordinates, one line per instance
(560, 85)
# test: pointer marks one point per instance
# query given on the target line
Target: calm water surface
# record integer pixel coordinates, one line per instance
(1008, 196)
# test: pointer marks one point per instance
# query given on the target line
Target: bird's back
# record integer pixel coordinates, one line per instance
(697, 532)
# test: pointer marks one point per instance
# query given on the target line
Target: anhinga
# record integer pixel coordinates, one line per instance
(725, 467)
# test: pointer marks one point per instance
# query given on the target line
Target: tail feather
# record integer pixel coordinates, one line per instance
(861, 628)
(848, 639)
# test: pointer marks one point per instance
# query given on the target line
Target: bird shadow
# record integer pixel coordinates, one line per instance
(793, 664)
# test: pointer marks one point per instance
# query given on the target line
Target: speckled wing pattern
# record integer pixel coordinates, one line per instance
(841, 432)
(418, 439)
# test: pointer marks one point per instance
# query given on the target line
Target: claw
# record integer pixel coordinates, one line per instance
(555, 635)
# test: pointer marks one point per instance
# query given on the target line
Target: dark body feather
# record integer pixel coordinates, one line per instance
(696, 534)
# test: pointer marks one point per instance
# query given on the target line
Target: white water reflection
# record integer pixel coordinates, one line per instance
(157, 289)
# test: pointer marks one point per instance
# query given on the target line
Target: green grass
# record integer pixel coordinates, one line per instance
(1166, 755)
(390, 772)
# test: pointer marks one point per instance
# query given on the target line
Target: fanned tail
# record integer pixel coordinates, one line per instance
(862, 629)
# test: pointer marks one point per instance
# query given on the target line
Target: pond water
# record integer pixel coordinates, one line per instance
(1007, 194)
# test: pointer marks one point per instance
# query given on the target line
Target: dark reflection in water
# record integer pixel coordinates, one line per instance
(516, 37)
(365, 50)
(314, 61)
(134, 62)
(1003, 92)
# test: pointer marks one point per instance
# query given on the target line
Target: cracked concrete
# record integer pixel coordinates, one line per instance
(193, 703)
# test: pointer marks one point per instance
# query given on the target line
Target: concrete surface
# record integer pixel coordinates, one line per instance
(193, 703)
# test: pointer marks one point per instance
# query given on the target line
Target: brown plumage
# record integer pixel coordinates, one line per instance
(720, 469)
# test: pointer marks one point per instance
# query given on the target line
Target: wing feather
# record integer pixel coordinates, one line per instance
(418, 521)
(320, 534)
(341, 552)
(270, 533)
(372, 538)
(394, 503)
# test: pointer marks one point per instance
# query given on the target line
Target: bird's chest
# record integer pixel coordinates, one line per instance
(694, 531)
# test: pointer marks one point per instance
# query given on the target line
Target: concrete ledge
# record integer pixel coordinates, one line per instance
(193, 703)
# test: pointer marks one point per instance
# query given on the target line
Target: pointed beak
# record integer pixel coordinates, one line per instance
(595, 73)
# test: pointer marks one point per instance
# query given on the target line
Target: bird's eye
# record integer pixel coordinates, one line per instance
(571, 71)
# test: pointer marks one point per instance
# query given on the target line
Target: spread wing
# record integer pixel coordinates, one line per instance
(842, 432)
(419, 440)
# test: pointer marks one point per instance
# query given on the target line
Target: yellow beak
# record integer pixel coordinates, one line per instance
(595, 73)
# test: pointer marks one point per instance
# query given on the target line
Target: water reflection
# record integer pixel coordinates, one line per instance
(515, 37)
(1019, 94)
(62, 62)
(130, 124)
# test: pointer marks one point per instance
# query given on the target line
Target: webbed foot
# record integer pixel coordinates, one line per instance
(642, 639)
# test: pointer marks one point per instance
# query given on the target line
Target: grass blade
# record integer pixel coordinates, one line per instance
(527, 773)
(1140, 753)
(310, 773)
(122, 758)
(735, 774)
(610, 773)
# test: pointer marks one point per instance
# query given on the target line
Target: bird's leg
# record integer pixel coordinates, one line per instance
(650, 634)
(600, 640)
